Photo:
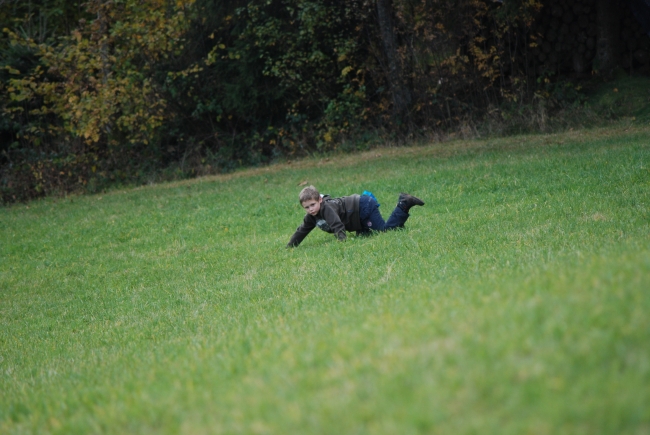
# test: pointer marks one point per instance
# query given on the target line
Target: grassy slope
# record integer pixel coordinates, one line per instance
(515, 301)
(625, 96)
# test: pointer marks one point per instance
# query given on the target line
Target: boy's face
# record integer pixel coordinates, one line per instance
(312, 206)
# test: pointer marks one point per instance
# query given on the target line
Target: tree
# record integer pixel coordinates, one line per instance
(91, 100)
(401, 95)
(608, 44)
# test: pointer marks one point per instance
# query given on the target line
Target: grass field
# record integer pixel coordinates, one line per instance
(517, 301)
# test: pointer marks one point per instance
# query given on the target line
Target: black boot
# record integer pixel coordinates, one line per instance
(406, 201)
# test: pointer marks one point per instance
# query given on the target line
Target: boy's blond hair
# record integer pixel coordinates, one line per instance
(309, 192)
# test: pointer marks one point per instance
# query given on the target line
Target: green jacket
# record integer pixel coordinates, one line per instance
(336, 215)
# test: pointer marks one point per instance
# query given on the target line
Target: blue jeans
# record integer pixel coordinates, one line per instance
(371, 219)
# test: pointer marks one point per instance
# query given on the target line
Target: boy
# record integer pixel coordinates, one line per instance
(358, 213)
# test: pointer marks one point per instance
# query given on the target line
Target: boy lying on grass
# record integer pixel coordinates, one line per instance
(358, 213)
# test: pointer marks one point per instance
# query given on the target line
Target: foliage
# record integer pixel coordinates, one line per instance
(89, 104)
(269, 72)
(130, 91)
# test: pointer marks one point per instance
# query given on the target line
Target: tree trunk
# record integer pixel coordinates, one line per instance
(608, 38)
(400, 93)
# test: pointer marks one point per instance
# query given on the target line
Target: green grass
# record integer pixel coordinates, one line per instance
(622, 97)
(515, 302)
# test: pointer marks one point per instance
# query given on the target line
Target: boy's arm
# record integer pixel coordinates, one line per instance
(303, 230)
(334, 221)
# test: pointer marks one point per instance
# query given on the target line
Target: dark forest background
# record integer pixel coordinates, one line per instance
(102, 93)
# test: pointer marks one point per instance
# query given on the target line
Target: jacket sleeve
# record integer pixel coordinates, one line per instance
(303, 230)
(334, 221)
